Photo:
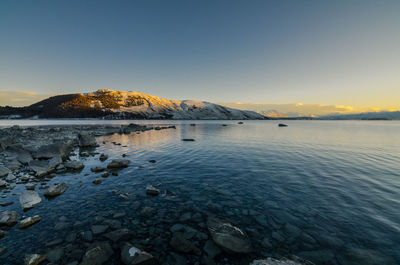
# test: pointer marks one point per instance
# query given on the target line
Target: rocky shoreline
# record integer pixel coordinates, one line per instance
(33, 156)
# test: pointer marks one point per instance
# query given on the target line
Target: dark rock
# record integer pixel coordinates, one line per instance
(119, 163)
(97, 181)
(282, 125)
(97, 254)
(180, 244)
(97, 169)
(119, 235)
(227, 236)
(87, 140)
(55, 255)
(74, 165)
(188, 140)
(151, 190)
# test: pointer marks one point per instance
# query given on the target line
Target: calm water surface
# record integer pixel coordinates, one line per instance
(327, 191)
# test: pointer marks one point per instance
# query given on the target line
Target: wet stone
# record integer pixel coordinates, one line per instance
(99, 229)
(29, 221)
(131, 255)
(55, 255)
(34, 259)
(180, 244)
(8, 218)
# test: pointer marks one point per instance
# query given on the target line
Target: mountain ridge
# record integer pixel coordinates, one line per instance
(113, 104)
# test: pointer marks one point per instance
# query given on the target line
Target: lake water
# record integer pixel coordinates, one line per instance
(327, 191)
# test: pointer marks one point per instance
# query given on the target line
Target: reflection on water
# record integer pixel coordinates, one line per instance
(326, 191)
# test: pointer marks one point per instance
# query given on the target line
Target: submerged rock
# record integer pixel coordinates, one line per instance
(29, 199)
(97, 254)
(131, 255)
(118, 235)
(56, 189)
(119, 163)
(8, 218)
(227, 236)
(34, 259)
(181, 244)
(151, 190)
(25, 223)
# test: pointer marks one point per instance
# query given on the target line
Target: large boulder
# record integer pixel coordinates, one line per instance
(4, 171)
(8, 218)
(131, 255)
(29, 199)
(119, 163)
(56, 189)
(87, 140)
(97, 254)
(230, 238)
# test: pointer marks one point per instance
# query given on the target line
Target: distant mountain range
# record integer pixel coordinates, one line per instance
(382, 115)
(112, 104)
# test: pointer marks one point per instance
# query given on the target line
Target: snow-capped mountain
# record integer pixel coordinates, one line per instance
(112, 104)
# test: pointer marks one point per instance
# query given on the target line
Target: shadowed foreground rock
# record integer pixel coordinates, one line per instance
(131, 255)
(230, 238)
(97, 254)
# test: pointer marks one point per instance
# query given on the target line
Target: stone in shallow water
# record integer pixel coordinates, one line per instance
(131, 255)
(87, 140)
(99, 229)
(30, 186)
(97, 254)
(103, 157)
(227, 236)
(4, 171)
(151, 190)
(97, 181)
(74, 165)
(27, 222)
(2, 183)
(97, 169)
(29, 199)
(56, 189)
(211, 249)
(119, 163)
(34, 259)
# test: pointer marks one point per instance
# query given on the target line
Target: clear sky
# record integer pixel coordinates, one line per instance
(315, 52)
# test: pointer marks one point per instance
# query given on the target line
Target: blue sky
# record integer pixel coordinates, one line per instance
(320, 52)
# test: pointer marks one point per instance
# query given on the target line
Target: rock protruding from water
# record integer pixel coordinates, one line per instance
(29, 221)
(119, 163)
(151, 190)
(87, 140)
(228, 237)
(56, 189)
(8, 218)
(4, 171)
(74, 165)
(97, 254)
(34, 259)
(29, 199)
(131, 255)
(282, 125)
(284, 261)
